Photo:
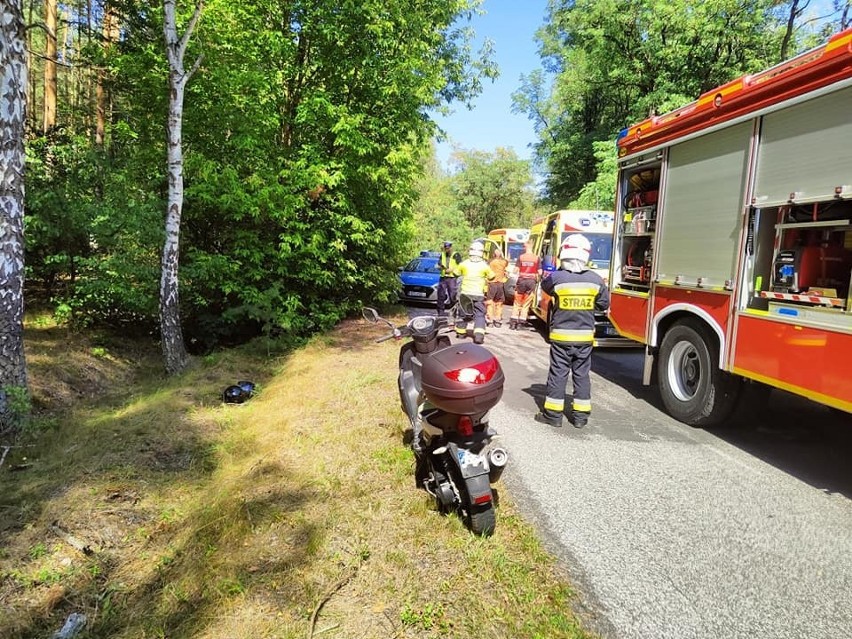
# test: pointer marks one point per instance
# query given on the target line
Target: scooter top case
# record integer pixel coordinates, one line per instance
(464, 379)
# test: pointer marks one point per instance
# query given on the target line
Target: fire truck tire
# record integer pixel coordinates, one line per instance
(693, 388)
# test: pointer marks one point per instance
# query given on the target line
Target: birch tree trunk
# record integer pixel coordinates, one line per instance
(13, 112)
(175, 356)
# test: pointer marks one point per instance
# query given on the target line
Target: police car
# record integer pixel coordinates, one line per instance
(419, 279)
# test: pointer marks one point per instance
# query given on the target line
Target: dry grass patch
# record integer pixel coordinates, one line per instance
(291, 514)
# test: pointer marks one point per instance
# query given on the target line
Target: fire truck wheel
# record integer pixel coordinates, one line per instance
(693, 388)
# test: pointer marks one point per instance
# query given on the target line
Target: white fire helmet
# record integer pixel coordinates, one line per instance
(575, 247)
(476, 249)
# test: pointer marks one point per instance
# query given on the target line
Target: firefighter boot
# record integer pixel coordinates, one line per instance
(544, 418)
(513, 324)
(580, 420)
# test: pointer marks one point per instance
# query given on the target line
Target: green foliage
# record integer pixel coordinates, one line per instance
(15, 408)
(93, 232)
(38, 551)
(612, 62)
(486, 191)
(599, 195)
(59, 207)
(431, 616)
(302, 135)
(437, 217)
(493, 190)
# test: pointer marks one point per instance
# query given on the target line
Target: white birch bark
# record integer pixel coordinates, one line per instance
(175, 356)
(13, 108)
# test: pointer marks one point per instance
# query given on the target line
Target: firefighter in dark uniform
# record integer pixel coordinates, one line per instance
(577, 293)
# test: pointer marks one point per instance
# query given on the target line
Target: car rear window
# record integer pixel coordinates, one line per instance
(420, 265)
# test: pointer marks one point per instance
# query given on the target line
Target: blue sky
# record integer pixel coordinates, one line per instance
(511, 25)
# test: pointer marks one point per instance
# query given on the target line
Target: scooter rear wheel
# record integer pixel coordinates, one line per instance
(482, 520)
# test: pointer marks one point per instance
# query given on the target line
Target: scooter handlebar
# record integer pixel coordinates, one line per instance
(395, 335)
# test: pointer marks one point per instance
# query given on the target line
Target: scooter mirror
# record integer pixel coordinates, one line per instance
(370, 314)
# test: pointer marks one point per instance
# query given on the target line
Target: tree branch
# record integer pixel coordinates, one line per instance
(190, 27)
(194, 68)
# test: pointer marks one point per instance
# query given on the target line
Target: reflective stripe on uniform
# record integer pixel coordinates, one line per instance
(557, 405)
(576, 296)
(577, 335)
(582, 405)
(577, 288)
(478, 330)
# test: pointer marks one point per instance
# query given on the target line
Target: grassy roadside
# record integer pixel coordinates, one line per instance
(158, 511)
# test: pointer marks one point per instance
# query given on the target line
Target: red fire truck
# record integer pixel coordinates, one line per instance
(733, 242)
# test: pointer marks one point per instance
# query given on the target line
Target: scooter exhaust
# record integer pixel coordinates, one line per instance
(497, 458)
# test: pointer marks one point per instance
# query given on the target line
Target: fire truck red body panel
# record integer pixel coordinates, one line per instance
(629, 314)
(808, 361)
(715, 306)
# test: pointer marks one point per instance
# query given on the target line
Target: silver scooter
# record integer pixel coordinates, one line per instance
(446, 390)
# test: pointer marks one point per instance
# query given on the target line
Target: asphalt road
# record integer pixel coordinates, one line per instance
(674, 532)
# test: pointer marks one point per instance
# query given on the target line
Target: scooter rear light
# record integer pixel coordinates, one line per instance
(482, 499)
(477, 374)
(465, 426)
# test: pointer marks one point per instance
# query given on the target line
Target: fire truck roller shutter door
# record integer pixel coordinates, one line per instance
(703, 207)
(800, 147)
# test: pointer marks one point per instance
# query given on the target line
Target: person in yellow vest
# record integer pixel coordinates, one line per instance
(447, 289)
(495, 296)
(475, 274)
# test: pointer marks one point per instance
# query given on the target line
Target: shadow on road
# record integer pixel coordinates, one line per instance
(537, 392)
(802, 438)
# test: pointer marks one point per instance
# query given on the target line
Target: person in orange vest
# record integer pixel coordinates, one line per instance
(529, 270)
(495, 296)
